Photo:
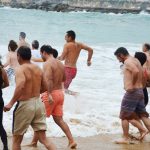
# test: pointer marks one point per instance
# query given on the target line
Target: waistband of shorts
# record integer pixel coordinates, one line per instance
(56, 91)
(71, 67)
(30, 99)
(136, 89)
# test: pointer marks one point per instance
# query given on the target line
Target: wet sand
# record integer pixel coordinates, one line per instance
(99, 142)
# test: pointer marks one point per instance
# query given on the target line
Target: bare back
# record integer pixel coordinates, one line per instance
(55, 72)
(31, 76)
(133, 74)
(73, 51)
(12, 60)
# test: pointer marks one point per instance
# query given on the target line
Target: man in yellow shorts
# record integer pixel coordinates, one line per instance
(29, 109)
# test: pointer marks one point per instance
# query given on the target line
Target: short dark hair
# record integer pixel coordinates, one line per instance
(24, 52)
(147, 46)
(121, 50)
(46, 48)
(23, 35)
(12, 45)
(55, 53)
(141, 57)
(35, 44)
(71, 34)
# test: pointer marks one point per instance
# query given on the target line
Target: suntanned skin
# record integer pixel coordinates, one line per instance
(22, 42)
(54, 75)
(133, 79)
(133, 74)
(11, 61)
(72, 50)
(29, 84)
(147, 52)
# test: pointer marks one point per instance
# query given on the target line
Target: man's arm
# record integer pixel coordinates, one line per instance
(5, 79)
(134, 70)
(43, 85)
(48, 76)
(64, 53)
(37, 59)
(90, 53)
(20, 83)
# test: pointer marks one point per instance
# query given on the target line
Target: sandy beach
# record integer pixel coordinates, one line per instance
(99, 142)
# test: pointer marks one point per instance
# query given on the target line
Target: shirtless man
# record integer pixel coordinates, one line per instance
(132, 107)
(29, 109)
(70, 55)
(22, 41)
(54, 98)
(11, 59)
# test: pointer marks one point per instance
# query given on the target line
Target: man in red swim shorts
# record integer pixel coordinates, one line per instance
(53, 99)
(70, 55)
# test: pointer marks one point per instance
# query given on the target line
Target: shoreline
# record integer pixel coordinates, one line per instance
(102, 7)
(98, 142)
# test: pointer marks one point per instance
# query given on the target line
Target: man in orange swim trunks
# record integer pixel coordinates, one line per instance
(70, 55)
(54, 97)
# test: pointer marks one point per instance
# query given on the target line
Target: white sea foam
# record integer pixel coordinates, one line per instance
(96, 109)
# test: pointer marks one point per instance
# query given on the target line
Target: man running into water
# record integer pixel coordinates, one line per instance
(22, 41)
(132, 107)
(54, 98)
(70, 55)
(29, 109)
(11, 59)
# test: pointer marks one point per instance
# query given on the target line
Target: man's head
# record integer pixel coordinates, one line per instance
(55, 53)
(23, 54)
(70, 36)
(35, 44)
(146, 47)
(12, 46)
(22, 35)
(121, 53)
(46, 50)
(141, 57)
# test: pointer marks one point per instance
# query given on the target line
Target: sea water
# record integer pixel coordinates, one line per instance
(96, 109)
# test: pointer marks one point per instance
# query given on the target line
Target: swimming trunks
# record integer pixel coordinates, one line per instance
(29, 112)
(70, 75)
(10, 72)
(56, 108)
(133, 106)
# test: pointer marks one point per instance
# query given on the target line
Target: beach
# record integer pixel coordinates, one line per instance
(99, 142)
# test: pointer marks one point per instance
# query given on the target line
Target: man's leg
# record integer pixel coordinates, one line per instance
(146, 122)
(60, 122)
(140, 127)
(44, 140)
(125, 127)
(17, 139)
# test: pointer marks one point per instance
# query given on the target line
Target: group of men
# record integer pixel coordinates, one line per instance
(31, 81)
(133, 106)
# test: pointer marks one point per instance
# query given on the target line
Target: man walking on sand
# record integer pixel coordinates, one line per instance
(132, 107)
(70, 55)
(54, 98)
(29, 109)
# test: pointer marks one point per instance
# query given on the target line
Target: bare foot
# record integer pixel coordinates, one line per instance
(72, 145)
(143, 134)
(132, 137)
(34, 144)
(124, 141)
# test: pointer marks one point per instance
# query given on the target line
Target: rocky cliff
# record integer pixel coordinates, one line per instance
(115, 6)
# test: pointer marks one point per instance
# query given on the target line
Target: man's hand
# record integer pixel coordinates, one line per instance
(89, 63)
(7, 107)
